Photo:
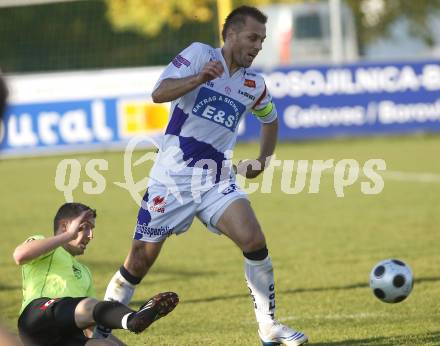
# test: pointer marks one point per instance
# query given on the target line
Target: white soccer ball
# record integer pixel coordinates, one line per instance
(391, 281)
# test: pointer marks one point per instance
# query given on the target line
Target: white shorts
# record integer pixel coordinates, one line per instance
(164, 212)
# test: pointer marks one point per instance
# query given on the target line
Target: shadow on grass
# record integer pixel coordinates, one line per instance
(164, 274)
(157, 271)
(432, 338)
(300, 290)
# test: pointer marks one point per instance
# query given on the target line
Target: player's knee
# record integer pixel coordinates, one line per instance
(84, 312)
(86, 306)
(256, 242)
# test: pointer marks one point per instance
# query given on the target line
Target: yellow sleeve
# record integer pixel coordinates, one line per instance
(91, 292)
(38, 237)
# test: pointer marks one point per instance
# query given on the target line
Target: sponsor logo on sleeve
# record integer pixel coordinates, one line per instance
(250, 83)
(245, 94)
(179, 60)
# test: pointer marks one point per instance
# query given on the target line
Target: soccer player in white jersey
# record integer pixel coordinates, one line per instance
(210, 90)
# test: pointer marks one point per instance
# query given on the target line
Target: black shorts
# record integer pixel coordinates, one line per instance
(49, 322)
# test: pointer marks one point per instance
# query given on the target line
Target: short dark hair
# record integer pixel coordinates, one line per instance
(237, 18)
(69, 211)
(3, 95)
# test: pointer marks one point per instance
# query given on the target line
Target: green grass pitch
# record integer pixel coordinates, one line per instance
(322, 247)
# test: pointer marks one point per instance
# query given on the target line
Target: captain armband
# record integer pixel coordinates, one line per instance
(266, 114)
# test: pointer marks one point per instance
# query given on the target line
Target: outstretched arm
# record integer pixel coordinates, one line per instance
(171, 89)
(34, 248)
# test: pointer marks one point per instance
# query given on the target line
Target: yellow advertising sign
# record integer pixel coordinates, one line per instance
(138, 117)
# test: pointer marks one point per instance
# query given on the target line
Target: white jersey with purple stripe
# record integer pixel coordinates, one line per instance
(204, 122)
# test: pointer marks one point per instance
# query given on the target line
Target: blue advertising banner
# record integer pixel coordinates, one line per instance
(357, 99)
(312, 102)
(40, 128)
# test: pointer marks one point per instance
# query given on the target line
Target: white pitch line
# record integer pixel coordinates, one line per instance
(415, 177)
(411, 176)
(361, 315)
(335, 316)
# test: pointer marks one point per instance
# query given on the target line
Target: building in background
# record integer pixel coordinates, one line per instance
(301, 34)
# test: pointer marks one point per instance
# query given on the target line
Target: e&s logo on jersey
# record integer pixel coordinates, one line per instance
(217, 108)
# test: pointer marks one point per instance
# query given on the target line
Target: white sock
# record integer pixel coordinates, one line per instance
(119, 289)
(259, 278)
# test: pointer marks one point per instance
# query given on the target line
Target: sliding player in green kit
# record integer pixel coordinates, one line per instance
(59, 307)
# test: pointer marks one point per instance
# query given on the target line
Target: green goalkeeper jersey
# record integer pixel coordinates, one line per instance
(55, 274)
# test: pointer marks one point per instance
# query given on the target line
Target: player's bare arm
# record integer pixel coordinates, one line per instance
(268, 139)
(33, 248)
(171, 89)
